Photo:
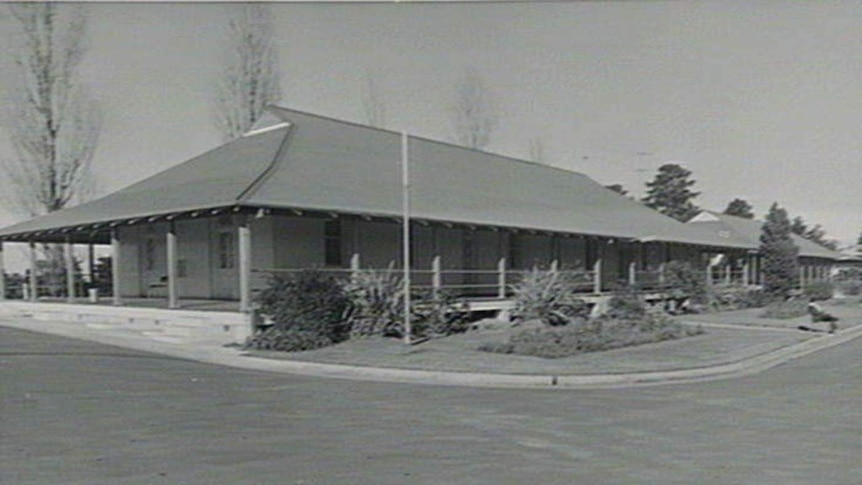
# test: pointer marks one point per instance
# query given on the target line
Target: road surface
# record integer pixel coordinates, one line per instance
(76, 412)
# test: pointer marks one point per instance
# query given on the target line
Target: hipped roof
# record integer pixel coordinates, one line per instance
(749, 230)
(315, 163)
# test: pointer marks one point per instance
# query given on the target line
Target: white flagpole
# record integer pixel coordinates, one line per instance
(405, 207)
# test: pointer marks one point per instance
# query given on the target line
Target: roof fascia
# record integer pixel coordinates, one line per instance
(270, 169)
(267, 129)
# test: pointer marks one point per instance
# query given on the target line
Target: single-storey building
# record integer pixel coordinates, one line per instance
(815, 261)
(306, 191)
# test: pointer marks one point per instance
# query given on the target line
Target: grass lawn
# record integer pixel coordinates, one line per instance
(739, 335)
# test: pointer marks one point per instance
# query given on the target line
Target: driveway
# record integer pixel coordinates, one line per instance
(76, 412)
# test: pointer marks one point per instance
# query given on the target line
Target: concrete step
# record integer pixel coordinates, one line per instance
(231, 326)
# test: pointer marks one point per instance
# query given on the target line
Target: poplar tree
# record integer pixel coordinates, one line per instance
(249, 79)
(474, 113)
(49, 116)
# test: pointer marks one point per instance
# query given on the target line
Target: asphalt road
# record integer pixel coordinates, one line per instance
(75, 412)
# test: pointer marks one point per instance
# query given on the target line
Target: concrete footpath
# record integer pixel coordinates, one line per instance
(590, 371)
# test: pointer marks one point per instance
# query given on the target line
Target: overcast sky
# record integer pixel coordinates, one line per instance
(760, 100)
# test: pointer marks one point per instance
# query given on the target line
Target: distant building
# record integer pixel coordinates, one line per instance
(815, 261)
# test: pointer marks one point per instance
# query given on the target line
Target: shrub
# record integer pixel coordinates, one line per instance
(754, 298)
(848, 281)
(377, 308)
(288, 340)
(626, 305)
(785, 309)
(736, 297)
(304, 307)
(376, 303)
(550, 297)
(438, 315)
(684, 280)
(601, 334)
(818, 290)
(850, 288)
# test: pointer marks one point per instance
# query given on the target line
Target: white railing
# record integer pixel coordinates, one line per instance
(494, 283)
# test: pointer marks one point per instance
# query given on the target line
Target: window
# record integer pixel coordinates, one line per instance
(469, 252)
(515, 252)
(225, 250)
(332, 243)
(149, 254)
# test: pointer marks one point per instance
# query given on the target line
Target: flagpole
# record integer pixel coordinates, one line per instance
(405, 209)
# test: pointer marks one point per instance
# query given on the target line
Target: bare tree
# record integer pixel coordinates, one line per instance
(373, 103)
(474, 114)
(249, 79)
(49, 117)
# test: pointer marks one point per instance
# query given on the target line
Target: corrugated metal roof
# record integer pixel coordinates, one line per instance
(213, 179)
(749, 230)
(332, 165)
(340, 166)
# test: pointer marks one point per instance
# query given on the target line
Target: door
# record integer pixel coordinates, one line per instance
(153, 265)
(225, 261)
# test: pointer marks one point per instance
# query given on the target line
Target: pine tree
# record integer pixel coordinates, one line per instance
(798, 226)
(780, 256)
(739, 208)
(670, 193)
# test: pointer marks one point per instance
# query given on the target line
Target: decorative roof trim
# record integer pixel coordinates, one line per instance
(267, 129)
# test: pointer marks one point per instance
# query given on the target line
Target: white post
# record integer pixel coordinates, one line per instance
(501, 277)
(709, 275)
(115, 267)
(354, 265)
(405, 242)
(597, 276)
(746, 268)
(728, 274)
(244, 237)
(661, 274)
(555, 266)
(34, 284)
(70, 270)
(436, 276)
(171, 243)
(2, 274)
(802, 276)
(633, 273)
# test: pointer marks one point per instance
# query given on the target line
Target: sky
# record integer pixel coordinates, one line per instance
(759, 99)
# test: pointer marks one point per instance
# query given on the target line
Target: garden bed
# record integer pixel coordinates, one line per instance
(591, 336)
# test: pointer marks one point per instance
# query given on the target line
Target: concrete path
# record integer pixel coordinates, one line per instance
(213, 351)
